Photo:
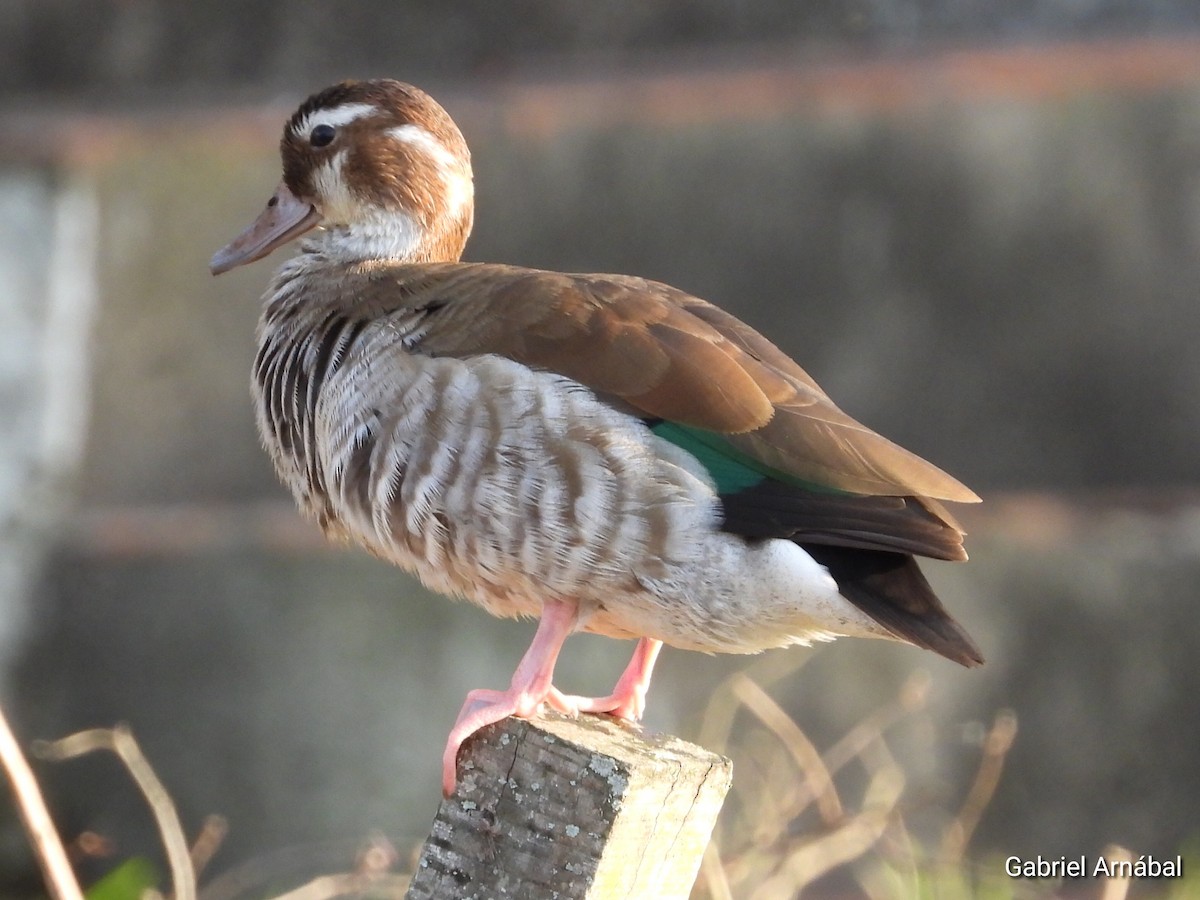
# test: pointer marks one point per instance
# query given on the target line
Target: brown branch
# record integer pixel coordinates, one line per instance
(811, 860)
(805, 755)
(48, 848)
(120, 740)
(212, 833)
(712, 873)
(996, 745)
(913, 695)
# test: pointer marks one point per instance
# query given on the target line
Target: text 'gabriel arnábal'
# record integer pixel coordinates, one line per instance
(1145, 866)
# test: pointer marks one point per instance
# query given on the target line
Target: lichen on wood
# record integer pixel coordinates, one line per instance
(573, 808)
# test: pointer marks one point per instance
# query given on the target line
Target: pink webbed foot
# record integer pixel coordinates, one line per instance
(531, 687)
(483, 707)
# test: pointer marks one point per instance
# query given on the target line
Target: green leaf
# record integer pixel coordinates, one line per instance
(126, 882)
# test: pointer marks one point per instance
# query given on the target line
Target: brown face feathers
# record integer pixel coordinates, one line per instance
(393, 149)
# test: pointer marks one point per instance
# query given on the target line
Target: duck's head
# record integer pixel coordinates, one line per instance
(380, 166)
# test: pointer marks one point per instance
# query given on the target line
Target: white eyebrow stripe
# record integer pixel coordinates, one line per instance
(460, 191)
(419, 137)
(338, 115)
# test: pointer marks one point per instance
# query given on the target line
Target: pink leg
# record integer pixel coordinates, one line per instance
(628, 699)
(530, 688)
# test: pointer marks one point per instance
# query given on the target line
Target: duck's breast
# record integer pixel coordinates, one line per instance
(500, 483)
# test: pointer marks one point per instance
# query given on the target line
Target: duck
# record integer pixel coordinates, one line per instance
(601, 453)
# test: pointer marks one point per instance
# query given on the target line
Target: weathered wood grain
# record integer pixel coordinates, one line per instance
(566, 809)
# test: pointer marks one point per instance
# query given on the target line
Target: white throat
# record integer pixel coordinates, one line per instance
(392, 235)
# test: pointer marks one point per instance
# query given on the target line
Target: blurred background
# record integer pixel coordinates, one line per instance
(977, 225)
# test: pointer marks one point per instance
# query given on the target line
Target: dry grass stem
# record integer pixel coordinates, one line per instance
(207, 842)
(773, 845)
(712, 874)
(48, 848)
(813, 859)
(805, 755)
(773, 863)
(996, 745)
(721, 711)
(913, 695)
(120, 741)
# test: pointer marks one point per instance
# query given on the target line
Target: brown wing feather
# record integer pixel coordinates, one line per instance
(664, 352)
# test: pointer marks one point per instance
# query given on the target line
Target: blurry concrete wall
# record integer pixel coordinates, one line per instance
(989, 256)
(140, 48)
(48, 260)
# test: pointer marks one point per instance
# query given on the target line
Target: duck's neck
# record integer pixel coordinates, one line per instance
(396, 236)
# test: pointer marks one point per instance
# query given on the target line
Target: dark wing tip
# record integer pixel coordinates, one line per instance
(891, 589)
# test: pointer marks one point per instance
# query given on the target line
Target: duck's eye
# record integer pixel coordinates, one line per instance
(322, 136)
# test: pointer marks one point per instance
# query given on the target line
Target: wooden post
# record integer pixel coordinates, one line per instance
(571, 809)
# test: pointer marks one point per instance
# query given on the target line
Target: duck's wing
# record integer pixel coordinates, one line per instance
(787, 460)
